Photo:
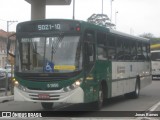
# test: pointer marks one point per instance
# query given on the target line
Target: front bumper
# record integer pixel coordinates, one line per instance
(73, 96)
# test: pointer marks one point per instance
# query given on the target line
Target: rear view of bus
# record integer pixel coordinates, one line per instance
(155, 56)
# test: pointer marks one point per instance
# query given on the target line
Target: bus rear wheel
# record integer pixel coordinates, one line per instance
(136, 92)
(47, 106)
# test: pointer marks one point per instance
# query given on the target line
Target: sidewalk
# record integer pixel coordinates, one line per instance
(4, 98)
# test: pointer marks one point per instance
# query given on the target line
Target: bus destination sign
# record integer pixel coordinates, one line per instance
(49, 25)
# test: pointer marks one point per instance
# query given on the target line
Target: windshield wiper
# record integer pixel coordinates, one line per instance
(55, 45)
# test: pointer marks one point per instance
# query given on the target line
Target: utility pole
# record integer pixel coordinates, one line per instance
(116, 18)
(73, 9)
(111, 10)
(9, 23)
(102, 6)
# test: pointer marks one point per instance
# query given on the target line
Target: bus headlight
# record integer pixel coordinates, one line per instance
(21, 87)
(73, 86)
(16, 83)
(77, 83)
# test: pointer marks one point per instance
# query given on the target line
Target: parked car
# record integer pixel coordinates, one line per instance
(2, 78)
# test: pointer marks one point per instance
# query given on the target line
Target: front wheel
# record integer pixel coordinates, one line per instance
(47, 106)
(99, 102)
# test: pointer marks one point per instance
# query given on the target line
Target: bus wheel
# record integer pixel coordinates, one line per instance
(99, 102)
(135, 93)
(47, 106)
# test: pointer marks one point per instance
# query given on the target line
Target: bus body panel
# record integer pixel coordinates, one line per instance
(124, 76)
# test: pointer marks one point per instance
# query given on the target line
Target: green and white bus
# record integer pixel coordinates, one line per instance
(73, 61)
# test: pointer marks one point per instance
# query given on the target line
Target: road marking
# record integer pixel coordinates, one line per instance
(154, 107)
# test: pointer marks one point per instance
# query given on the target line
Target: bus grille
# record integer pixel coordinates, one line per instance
(48, 95)
(45, 77)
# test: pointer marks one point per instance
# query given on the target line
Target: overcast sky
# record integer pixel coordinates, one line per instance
(134, 16)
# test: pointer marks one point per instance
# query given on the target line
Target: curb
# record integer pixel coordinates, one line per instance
(6, 98)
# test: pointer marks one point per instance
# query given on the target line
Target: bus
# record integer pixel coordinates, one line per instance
(155, 60)
(71, 61)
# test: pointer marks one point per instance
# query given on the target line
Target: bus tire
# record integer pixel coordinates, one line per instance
(136, 92)
(47, 106)
(100, 100)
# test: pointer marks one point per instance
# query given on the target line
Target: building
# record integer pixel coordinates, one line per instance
(3, 46)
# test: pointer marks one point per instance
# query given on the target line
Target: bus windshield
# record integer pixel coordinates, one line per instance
(57, 54)
(155, 56)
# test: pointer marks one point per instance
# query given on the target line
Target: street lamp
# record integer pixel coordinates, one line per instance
(102, 6)
(116, 18)
(9, 23)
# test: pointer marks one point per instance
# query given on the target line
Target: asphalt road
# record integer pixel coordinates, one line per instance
(149, 96)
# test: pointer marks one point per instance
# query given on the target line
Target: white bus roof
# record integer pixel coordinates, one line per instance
(128, 35)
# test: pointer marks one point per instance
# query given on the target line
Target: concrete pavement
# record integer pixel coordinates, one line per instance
(4, 97)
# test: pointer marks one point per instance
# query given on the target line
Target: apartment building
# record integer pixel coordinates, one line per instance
(3, 46)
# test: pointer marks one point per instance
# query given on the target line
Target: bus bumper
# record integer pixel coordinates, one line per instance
(59, 96)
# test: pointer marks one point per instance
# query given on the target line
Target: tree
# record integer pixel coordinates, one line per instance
(147, 35)
(155, 42)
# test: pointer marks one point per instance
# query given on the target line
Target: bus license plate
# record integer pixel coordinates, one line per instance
(43, 96)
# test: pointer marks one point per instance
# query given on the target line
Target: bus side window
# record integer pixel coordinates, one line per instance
(111, 53)
(111, 47)
(140, 55)
(148, 52)
(120, 49)
(145, 51)
(133, 50)
(101, 46)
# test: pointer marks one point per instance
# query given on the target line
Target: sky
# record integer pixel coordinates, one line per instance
(134, 17)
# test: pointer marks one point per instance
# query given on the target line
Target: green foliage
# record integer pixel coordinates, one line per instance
(154, 40)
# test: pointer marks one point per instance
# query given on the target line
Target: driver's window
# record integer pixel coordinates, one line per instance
(89, 48)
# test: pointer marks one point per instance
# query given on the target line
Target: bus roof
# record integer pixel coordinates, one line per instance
(108, 30)
(115, 32)
(128, 35)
